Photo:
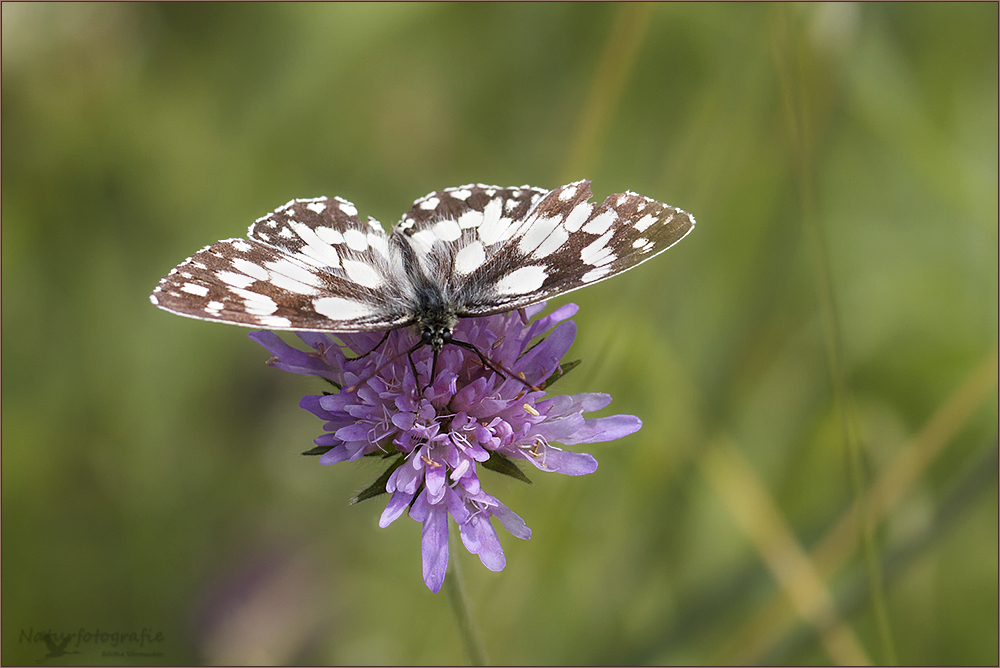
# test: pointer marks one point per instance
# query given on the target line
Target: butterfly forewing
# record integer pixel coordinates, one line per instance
(568, 242)
(310, 265)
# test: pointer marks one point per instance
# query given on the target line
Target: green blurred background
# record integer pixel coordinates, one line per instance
(825, 339)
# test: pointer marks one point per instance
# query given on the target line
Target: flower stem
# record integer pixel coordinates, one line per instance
(460, 606)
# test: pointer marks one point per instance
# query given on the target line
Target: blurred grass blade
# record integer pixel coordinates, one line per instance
(756, 513)
(775, 619)
(607, 86)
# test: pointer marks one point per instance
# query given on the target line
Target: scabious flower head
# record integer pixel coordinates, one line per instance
(438, 432)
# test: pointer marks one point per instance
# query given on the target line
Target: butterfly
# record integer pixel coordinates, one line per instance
(470, 251)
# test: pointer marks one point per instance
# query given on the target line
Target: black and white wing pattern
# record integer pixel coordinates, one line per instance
(497, 249)
(469, 251)
(310, 265)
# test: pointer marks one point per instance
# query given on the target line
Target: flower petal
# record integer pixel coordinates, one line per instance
(434, 547)
(293, 360)
(511, 521)
(479, 537)
(604, 429)
(567, 463)
(542, 360)
(397, 504)
(334, 456)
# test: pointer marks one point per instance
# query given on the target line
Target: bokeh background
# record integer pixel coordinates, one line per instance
(816, 365)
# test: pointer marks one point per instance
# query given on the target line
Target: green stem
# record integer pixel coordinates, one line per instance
(460, 604)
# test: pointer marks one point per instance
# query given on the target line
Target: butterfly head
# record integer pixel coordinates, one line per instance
(435, 328)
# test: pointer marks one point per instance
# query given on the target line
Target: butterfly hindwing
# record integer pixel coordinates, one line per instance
(453, 231)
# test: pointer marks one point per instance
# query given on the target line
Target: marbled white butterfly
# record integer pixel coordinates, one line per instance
(475, 250)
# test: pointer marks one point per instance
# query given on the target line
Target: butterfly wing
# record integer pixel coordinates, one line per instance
(310, 265)
(497, 249)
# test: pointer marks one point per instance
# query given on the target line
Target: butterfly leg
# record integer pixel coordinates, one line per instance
(413, 367)
(377, 345)
(489, 365)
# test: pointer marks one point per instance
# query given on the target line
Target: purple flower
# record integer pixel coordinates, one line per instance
(438, 433)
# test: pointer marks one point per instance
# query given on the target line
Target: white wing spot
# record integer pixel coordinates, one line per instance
(537, 231)
(379, 243)
(250, 268)
(622, 199)
(470, 258)
(242, 246)
(639, 242)
(430, 203)
(347, 207)
(213, 306)
(285, 233)
(600, 223)
(522, 281)
(315, 247)
(233, 279)
(448, 230)
(603, 258)
(461, 194)
(470, 218)
(593, 252)
(194, 289)
(362, 273)
(643, 223)
(595, 274)
(552, 243)
(318, 207)
(568, 193)
(319, 256)
(578, 216)
(492, 228)
(329, 235)
(423, 241)
(256, 304)
(339, 308)
(293, 277)
(356, 239)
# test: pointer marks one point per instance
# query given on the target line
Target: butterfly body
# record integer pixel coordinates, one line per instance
(475, 250)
